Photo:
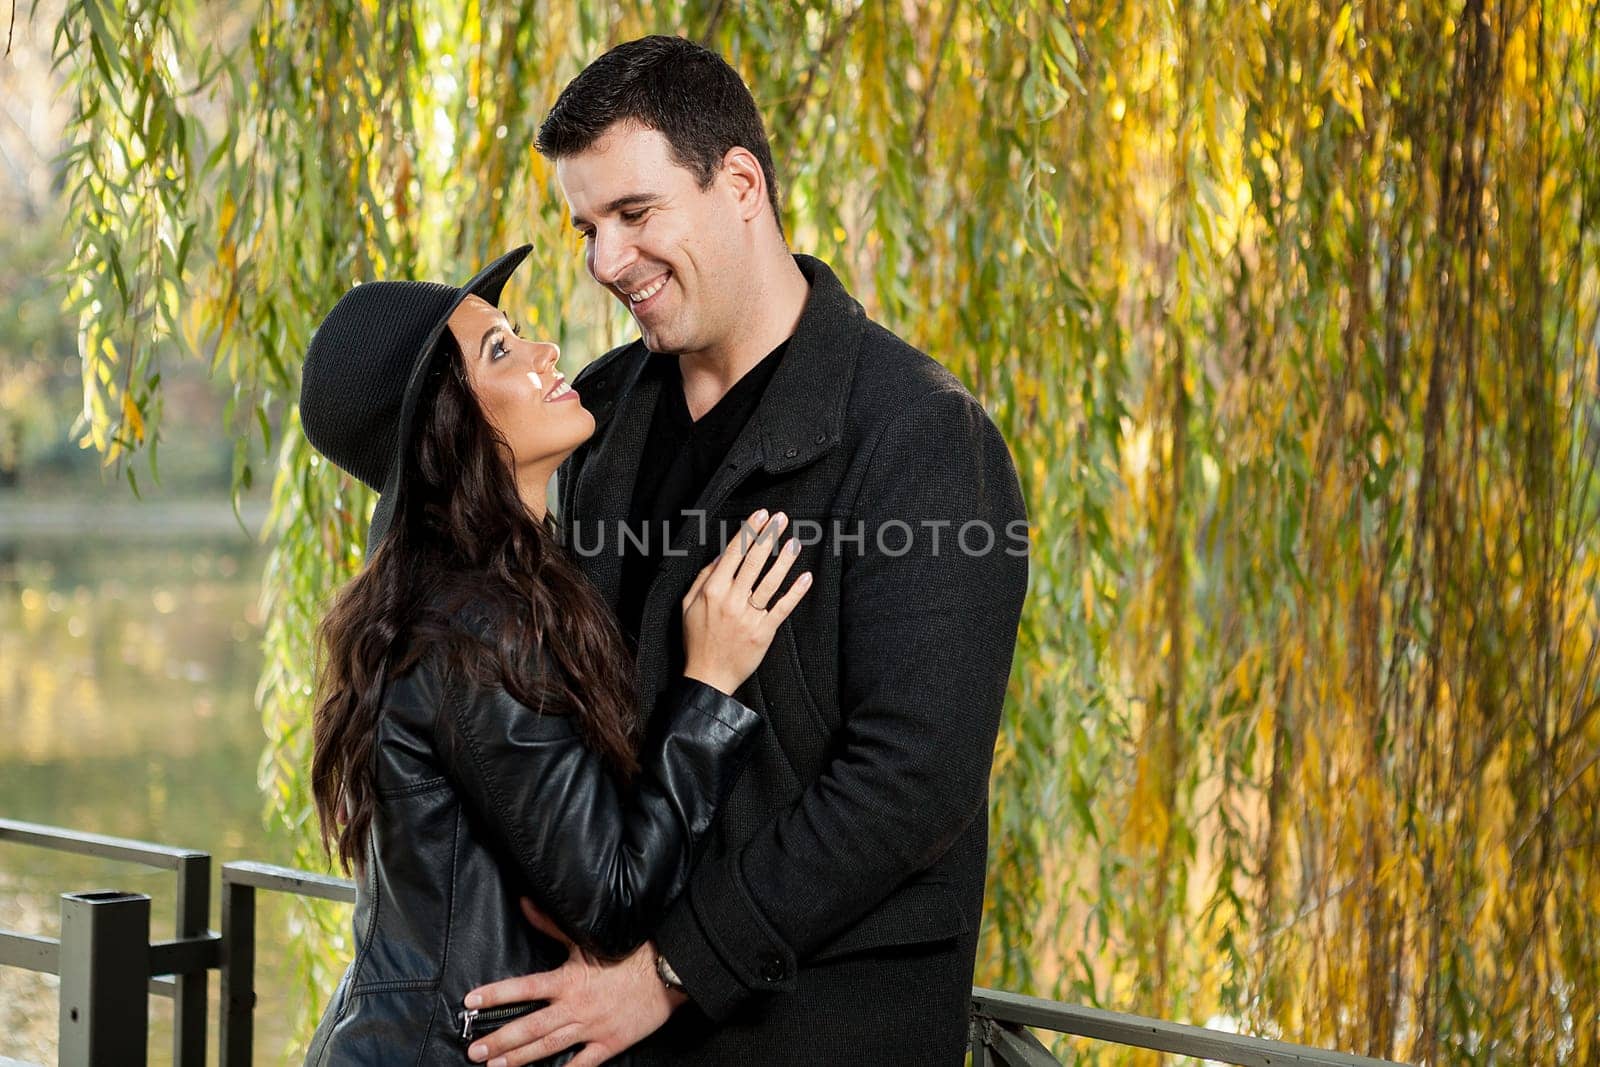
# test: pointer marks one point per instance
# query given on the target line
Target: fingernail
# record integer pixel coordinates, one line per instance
(793, 547)
(499, 1061)
(780, 518)
(477, 1052)
(759, 517)
(806, 578)
(474, 1000)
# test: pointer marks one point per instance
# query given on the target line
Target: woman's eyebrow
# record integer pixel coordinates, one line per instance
(493, 332)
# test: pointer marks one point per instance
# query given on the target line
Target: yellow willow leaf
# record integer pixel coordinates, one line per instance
(1241, 675)
(1312, 748)
(133, 417)
(1088, 595)
(1341, 27)
(1266, 722)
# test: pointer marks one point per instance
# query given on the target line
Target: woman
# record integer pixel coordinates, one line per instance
(476, 735)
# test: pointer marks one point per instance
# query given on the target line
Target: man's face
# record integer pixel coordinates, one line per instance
(670, 251)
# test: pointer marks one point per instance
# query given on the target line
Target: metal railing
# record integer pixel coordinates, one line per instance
(240, 881)
(108, 966)
(1000, 1036)
(106, 960)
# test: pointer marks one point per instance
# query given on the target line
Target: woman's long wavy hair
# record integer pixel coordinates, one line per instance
(461, 538)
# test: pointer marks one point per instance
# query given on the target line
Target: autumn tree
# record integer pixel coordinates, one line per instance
(1288, 312)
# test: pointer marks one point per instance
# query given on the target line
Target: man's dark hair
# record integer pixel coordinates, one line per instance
(687, 93)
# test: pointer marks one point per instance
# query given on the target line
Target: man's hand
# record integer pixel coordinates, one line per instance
(606, 1007)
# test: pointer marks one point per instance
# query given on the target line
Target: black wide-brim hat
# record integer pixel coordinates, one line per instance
(364, 371)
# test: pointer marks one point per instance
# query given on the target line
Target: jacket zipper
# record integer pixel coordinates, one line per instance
(477, 1021)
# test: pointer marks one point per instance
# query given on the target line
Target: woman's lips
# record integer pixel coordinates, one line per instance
(560, 391)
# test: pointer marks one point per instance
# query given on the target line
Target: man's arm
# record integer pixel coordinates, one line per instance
(926, 643)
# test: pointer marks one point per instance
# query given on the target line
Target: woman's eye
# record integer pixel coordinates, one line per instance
(499, 349)
(633, 216)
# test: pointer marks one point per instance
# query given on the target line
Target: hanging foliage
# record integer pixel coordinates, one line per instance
(1289, 313)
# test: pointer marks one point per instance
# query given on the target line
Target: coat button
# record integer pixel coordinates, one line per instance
(790, 453)
(822, 438)
(772, 969)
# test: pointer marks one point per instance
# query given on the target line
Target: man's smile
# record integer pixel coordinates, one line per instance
(644, 292)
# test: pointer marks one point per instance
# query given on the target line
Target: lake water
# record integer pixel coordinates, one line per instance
(129, 653)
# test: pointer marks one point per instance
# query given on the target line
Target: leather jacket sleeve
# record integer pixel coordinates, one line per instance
(603, 861)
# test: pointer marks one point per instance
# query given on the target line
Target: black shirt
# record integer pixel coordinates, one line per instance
(680, 455)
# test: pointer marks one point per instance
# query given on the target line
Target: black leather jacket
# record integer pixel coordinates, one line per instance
(483, 801)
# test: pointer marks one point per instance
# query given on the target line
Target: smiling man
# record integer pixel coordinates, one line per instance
(834, 914)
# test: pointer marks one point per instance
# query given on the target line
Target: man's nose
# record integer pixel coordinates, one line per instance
(609, 256)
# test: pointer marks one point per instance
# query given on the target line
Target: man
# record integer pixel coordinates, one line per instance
(835, 913)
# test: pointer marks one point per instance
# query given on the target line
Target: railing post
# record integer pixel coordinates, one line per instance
(978, 1026)
(189, 993)
(105, 967)
(236, 1037)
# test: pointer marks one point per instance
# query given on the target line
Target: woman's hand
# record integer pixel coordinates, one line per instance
(729, 618)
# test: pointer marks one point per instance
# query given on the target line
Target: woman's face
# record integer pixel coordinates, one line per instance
(516, 383)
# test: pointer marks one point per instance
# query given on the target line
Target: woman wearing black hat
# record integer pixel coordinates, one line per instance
(476, 735)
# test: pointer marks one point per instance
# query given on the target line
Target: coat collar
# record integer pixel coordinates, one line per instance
(799, 419)
(806, 397)
(800, 416)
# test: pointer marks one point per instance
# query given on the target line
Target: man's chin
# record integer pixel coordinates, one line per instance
(661, 342)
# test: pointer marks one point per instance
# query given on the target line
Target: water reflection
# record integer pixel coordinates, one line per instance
(127, 668)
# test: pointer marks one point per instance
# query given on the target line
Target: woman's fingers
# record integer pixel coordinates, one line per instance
(757, 552)
(768, 588)
(789, 601)
(727, 564)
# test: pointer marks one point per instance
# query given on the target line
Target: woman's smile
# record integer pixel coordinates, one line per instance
(558, 392)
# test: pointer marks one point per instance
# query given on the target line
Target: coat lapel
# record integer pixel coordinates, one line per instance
(605, 482)
(798, 419)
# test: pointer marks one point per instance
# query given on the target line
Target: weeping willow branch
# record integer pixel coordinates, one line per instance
(1289, 316)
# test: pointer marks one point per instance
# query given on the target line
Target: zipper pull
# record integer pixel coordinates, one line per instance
(468, 1017)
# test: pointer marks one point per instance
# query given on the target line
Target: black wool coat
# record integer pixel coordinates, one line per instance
(834, 913)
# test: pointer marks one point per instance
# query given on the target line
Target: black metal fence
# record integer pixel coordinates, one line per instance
(1001, 1037)
(109, 966)
(106, 960)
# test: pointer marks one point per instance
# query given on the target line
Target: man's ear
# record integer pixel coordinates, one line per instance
(742, 171)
